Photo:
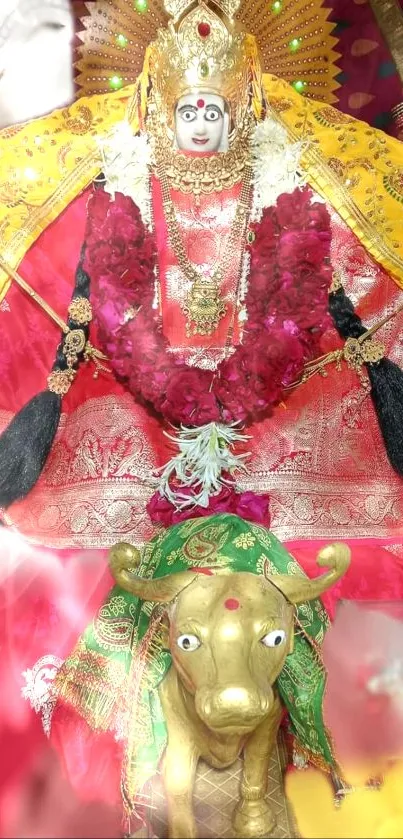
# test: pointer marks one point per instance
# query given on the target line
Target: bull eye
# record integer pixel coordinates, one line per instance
(188, 642)
(274, 638)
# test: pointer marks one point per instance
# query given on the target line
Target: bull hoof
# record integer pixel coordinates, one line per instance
(253, 819)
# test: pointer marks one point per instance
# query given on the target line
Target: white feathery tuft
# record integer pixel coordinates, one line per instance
(204, 454)
(126, 161)
(276, 165)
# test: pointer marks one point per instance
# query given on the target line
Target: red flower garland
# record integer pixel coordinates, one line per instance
(247, 505)
(286, 301)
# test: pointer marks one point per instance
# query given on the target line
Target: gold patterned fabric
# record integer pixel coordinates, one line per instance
(358, 169)
(96, 483)
(46, 163)
(321, 456)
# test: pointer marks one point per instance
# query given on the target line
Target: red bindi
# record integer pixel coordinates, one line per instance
(231, 604)
(200, 103)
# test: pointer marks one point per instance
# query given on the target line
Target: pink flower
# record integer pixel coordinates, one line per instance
(251, 381)
(298, 248)
(188, 398)
(247, 505)
(253, 507)
(297, 211)
(266, 233)
(119, 244)
(97, 208)
(286, 301)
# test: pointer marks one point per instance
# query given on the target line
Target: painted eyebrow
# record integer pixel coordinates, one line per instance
(215, 108)
(194, 108)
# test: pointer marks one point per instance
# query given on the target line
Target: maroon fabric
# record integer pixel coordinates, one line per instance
(370, 83)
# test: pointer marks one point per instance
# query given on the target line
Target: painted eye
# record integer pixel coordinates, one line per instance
(212, 115)
(274, 638)
(188, 116)
(188, 643)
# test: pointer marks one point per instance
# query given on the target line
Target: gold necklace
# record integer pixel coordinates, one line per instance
(204, 306)
(204, 175)
(201, 175)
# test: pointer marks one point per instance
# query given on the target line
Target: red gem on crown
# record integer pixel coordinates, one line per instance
(204, 30)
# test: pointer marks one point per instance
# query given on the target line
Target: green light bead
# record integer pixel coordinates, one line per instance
(121, 40)
(276, 7)
(299, 85)
(295, 44)
(116, 82)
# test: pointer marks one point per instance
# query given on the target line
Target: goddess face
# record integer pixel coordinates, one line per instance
(201, 123)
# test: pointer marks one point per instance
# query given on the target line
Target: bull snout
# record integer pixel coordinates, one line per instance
(232, 706)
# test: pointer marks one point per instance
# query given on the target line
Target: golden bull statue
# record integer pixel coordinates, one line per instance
(228, 635)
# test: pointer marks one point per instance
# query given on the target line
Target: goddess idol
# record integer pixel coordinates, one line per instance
(223, 258)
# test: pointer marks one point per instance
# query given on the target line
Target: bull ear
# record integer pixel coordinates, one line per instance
(123, 557)
(162, 634)
(300, 589)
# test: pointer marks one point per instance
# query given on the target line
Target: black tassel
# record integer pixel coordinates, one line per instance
(25, 445)
(387, 394)
(386, 380)
(26, 442)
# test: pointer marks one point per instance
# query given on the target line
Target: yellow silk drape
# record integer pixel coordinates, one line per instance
(358, 169)
(46, 163)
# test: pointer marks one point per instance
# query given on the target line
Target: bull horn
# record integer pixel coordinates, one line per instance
(299, 589)
(123, 556)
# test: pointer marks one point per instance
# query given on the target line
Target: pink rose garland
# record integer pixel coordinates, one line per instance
(287, 305)
(286, 302)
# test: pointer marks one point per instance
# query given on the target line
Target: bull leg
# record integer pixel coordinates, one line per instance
(179, 772)
(253, 817)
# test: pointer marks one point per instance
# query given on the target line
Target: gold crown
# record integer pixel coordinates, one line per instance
(202, 49)
(176, 8)
(115, 36)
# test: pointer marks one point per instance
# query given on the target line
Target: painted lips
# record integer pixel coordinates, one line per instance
(200, 142)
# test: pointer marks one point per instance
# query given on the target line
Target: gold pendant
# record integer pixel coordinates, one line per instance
(203, 307)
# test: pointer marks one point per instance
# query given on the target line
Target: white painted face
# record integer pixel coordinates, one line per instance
(201, 123)
(36, 74)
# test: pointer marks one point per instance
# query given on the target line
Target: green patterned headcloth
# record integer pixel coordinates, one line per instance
(113, 674)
